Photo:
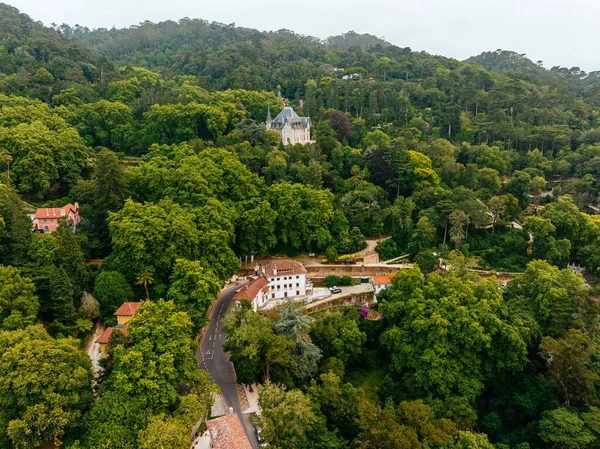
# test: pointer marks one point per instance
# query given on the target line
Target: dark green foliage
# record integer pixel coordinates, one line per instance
(111, 290)
(340, 281)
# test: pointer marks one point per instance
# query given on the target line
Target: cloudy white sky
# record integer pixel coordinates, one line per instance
(557, 32)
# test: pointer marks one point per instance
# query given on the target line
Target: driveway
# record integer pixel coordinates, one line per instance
(211, 358)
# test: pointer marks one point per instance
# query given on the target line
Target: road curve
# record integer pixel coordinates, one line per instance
(211, 358)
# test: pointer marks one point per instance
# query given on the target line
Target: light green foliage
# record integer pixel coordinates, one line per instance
(339, 403)
(448, 335)
(411, 425)
(376, 138)
(45, 386)
(545, 245)
(114, 422)
(550, 295)
(564, 428)
(158, 361)
(303, 215)
(104, 123)
(193, 290)
(152, 236)
(287, 416)
(43, 152)
(254, 347)
(173, 432)
(18, 303)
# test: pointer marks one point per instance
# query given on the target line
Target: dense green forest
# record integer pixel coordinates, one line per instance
(157, 131)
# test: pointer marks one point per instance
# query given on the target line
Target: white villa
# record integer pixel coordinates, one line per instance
(277, 281)
(290, 126)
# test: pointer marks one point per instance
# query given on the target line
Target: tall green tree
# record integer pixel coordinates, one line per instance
(287, 416)
(450, 336)
(45, 387)
(18, 303)
(193, 289)
(111, 289)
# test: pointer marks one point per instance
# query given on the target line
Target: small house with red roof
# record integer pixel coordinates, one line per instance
(227, 432)
(124, 315)
(257, 292)
(47, 219)
(380, 283)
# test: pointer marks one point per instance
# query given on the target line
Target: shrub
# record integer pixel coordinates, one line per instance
(332, 280)
(331, 254)
(345, 281)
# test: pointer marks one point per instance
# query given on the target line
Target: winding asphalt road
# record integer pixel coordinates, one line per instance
(211, 358)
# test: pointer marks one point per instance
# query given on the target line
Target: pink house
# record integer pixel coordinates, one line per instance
(46, 219)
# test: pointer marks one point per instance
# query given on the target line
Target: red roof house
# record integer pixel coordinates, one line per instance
(124, 315)
(47, 219)
(227, 432)
(256, 292)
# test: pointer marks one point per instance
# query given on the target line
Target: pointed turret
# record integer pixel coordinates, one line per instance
(268, 123)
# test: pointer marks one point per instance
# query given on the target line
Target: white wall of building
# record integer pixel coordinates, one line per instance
(287, 286)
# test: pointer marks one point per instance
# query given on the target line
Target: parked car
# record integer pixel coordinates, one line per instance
(335, 290)
(259, 438)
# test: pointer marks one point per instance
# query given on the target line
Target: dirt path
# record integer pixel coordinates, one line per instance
(92, 349)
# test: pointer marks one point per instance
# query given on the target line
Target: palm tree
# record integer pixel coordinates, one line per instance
(145, 278)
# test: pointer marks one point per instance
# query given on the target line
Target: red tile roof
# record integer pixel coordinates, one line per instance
(227, 432)
(250, 290)
(54, 212)
(127, 309)
(284, 267)
(108, 332)
(381, 280)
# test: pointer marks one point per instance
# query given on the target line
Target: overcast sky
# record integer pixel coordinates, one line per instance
(558, 32)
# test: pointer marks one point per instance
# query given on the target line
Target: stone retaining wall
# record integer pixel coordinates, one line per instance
(320, 271)
(350, 300)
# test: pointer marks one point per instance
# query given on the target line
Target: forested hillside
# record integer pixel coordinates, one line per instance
(157, 133)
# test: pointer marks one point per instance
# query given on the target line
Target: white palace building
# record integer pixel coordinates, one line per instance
(291, 128)
(276, 281)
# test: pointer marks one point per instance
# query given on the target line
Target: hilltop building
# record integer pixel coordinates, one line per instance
(47, 219)
(277, 280)
(291, 128)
